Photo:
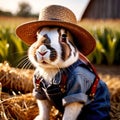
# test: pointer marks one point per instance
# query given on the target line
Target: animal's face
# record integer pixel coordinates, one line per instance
(54, 48)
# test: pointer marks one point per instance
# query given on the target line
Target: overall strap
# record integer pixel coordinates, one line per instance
(96, 81)
(86, 62)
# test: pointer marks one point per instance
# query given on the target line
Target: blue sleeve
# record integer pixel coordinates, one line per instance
(78, 84)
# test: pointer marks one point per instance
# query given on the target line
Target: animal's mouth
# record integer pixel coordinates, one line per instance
(44, 62)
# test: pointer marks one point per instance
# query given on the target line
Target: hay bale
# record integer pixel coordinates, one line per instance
(16, 79)
(21, 107)
(24, 106)
(115, 105)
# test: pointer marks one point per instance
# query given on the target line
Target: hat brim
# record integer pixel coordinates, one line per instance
(83, 39)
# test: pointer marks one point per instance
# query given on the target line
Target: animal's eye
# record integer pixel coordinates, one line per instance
(63, 39)
(64, 35)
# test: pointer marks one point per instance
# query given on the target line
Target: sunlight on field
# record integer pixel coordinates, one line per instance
(13, 21)
(88, 24)
(94, 24)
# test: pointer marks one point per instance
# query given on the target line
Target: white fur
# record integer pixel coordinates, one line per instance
(72, 111)
(44, 110)
(49, 71)
(46, 73)
(53, 35)
(72, 58)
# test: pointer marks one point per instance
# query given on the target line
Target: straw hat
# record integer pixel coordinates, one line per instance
(55, 15)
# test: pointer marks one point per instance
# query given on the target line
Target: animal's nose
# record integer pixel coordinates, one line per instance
(42, 50)
(42, 53)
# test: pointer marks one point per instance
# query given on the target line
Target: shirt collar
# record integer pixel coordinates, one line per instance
(66, 71)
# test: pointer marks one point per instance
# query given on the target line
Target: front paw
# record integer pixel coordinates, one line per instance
(41, 118)
(38, 118)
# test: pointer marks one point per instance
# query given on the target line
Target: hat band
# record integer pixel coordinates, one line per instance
(54, 19)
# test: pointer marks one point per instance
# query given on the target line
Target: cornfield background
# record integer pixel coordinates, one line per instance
(16, 100)
(106, 33)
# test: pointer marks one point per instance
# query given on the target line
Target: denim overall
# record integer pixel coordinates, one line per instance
(76, 88)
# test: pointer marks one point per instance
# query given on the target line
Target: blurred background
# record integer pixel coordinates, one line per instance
(100, 17)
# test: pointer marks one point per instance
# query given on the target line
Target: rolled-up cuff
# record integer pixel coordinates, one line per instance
(80, 97)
